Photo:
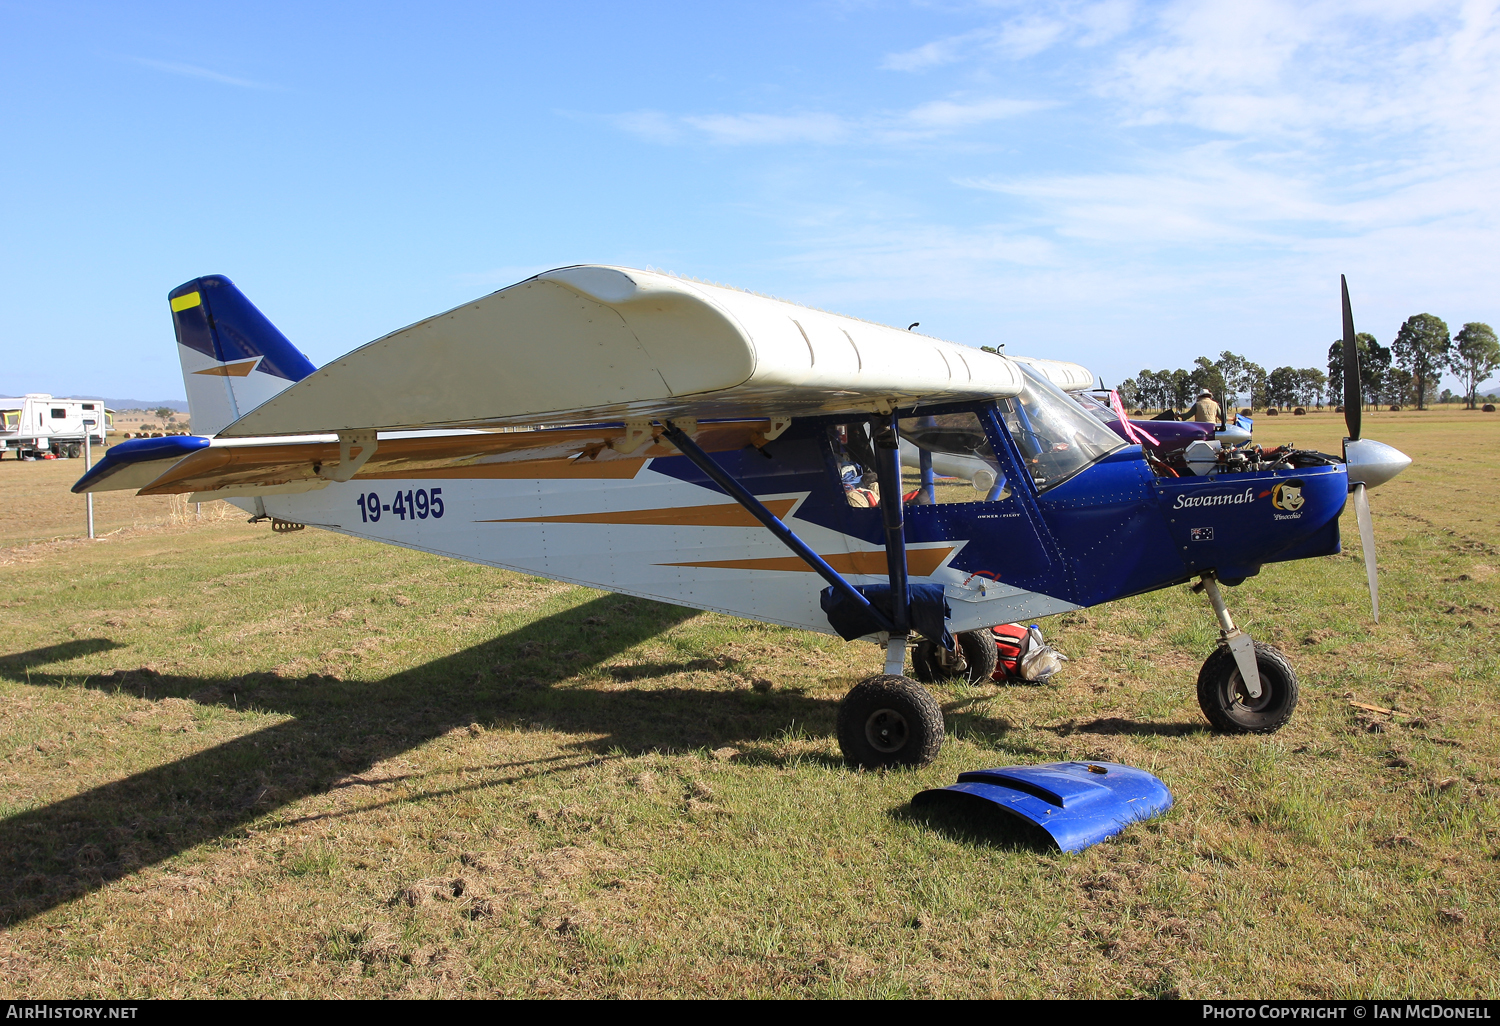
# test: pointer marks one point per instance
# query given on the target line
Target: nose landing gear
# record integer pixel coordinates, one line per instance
(1245, 686)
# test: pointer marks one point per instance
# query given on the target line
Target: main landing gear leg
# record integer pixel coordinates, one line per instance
(889, 719)
(1245, 686)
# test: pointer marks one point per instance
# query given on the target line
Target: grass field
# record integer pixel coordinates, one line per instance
(245, 764)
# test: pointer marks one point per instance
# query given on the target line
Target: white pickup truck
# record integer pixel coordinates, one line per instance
(36, 425)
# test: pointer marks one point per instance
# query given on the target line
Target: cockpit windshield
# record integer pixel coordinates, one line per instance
(1056, 437)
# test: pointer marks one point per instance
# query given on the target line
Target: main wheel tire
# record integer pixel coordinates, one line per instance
(889, 721)
(974, 659)
(1227, 703)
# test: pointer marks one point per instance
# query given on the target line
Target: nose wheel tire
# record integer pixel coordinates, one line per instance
(889, 721)
(974, 659)
(1227, 703)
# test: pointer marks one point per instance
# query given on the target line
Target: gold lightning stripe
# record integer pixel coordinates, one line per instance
(919, 562)
(186, 302)
(231, 370)
(720, 514)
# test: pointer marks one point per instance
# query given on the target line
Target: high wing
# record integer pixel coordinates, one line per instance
(563, 375)
(591, 343)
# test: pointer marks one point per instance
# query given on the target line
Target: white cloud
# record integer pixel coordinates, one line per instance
(936, 53)
(1018, 38)
(770, 129)
(1203, 197)
(947, 114)
(1026, 37)
(193, 71)
(1333, 121)
(1101, 22)
(652, 125)
(926, 120)
(1274, 68)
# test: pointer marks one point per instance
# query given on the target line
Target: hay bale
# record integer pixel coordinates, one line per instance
(1299, 412)
(1272, 411)
(1488, 407)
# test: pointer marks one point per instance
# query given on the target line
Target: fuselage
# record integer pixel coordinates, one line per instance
(1035, 545)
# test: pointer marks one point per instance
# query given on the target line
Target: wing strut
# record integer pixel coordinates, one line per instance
(892, 513)
(704, 462)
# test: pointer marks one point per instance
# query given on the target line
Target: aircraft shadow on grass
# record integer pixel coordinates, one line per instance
(1138, 728)
(62, 851)
(59, 852)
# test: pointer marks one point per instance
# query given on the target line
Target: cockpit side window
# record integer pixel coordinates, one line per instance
(854, 456)
(952, 446)
(958, 452)
(1056, 437)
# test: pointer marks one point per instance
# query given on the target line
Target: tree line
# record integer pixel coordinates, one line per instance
(1405, 373)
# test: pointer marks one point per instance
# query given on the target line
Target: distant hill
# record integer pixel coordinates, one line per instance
(180, 405)
(177, 405)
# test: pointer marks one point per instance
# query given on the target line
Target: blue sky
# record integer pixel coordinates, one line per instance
(1124, 184)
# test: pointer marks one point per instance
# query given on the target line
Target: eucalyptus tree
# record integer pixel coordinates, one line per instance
(1206, 374)
(1310, 385)
(1281, 387)
(1476, 355)
(1423, 348)
(1182, 389)
(1374, 362)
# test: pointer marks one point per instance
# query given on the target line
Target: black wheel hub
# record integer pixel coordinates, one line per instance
(1242, 695)
(887, 731)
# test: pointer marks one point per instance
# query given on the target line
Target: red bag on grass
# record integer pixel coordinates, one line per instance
(1022, 654)
(1010, 646)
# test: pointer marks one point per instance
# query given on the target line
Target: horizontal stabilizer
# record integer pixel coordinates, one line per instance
(137, 462)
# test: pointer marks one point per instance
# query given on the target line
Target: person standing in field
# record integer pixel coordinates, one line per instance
(1205, 409)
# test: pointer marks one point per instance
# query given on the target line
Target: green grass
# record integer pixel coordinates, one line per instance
(238, 763)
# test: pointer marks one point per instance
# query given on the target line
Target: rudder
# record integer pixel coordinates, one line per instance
(233, 358)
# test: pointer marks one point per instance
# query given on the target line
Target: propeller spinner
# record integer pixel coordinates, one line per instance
(1369, 462)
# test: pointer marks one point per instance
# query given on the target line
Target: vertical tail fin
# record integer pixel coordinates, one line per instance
(233, 358)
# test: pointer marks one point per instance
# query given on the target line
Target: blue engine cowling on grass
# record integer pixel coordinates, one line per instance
(1078, 804)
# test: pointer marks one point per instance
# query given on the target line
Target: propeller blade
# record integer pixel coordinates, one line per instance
(1353, 392)
(1367, 541)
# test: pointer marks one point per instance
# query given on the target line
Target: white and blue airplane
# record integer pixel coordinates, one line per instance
(694, 444)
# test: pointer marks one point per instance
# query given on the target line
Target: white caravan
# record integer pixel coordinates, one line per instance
(37, 424)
